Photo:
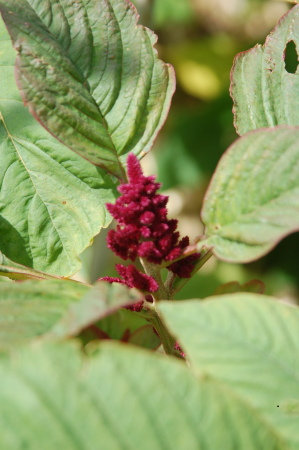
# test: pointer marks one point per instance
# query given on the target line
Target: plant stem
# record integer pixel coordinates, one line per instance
(167, 340)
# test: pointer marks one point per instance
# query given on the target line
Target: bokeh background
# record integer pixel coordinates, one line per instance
(200, 38)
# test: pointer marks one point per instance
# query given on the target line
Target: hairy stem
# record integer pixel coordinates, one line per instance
(167, 339)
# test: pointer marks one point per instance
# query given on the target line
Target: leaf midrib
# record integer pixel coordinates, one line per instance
(86, 83)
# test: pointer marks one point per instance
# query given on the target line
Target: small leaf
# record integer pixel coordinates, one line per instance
(90, 75)
(54, 309)
(265, 94)
(253, 199)
(52, 202)
(145, 337)
(120, 397)
(248, 345)
(254, 286)
(121, 324)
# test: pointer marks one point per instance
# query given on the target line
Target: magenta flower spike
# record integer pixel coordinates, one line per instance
(144, 230)
(143, 227)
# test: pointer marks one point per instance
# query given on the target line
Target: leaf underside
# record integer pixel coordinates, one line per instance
(253, 199)
(265, 94)
(52, 202)
(90, 75)
(55, 309)
(247, 344)
(30, 308)
(51, 394)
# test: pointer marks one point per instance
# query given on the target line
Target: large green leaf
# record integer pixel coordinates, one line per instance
(120, 398)
(90, 75)
(52, 202)
(253, 199)
(55, 309)
(265, 94)
(248, 345)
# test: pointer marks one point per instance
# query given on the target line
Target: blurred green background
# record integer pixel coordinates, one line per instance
(200, 38)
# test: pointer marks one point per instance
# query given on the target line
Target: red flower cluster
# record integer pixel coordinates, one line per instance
(144, 230)
(133, 278)
(184, 267)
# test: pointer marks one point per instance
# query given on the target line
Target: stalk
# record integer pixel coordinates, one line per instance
(167, 339)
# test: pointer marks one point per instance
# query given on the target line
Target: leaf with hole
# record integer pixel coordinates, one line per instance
(90, 75)
(52, 202)
(67, 400)
(247, 344)
(264, 80)
(253, 199)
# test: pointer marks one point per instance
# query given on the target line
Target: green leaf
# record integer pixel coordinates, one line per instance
(119, 398)
(254, 286)
(146, 337)
(248, 345)
(55, 309)
(52, 202)
(31, 308)
(15, 271)
(265, 94)
(90, 75)
(253, 199)
(122, 323)
(100, 301)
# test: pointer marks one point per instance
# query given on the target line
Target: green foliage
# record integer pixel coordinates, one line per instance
(15, 271)
(126, 326)
(44, 187)
(253, 286)
(265, 94)
(252, 201)
(247, 344)
(91, 76)
(32, 308)
(55, 309)
(120, 398)
(92, 87)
